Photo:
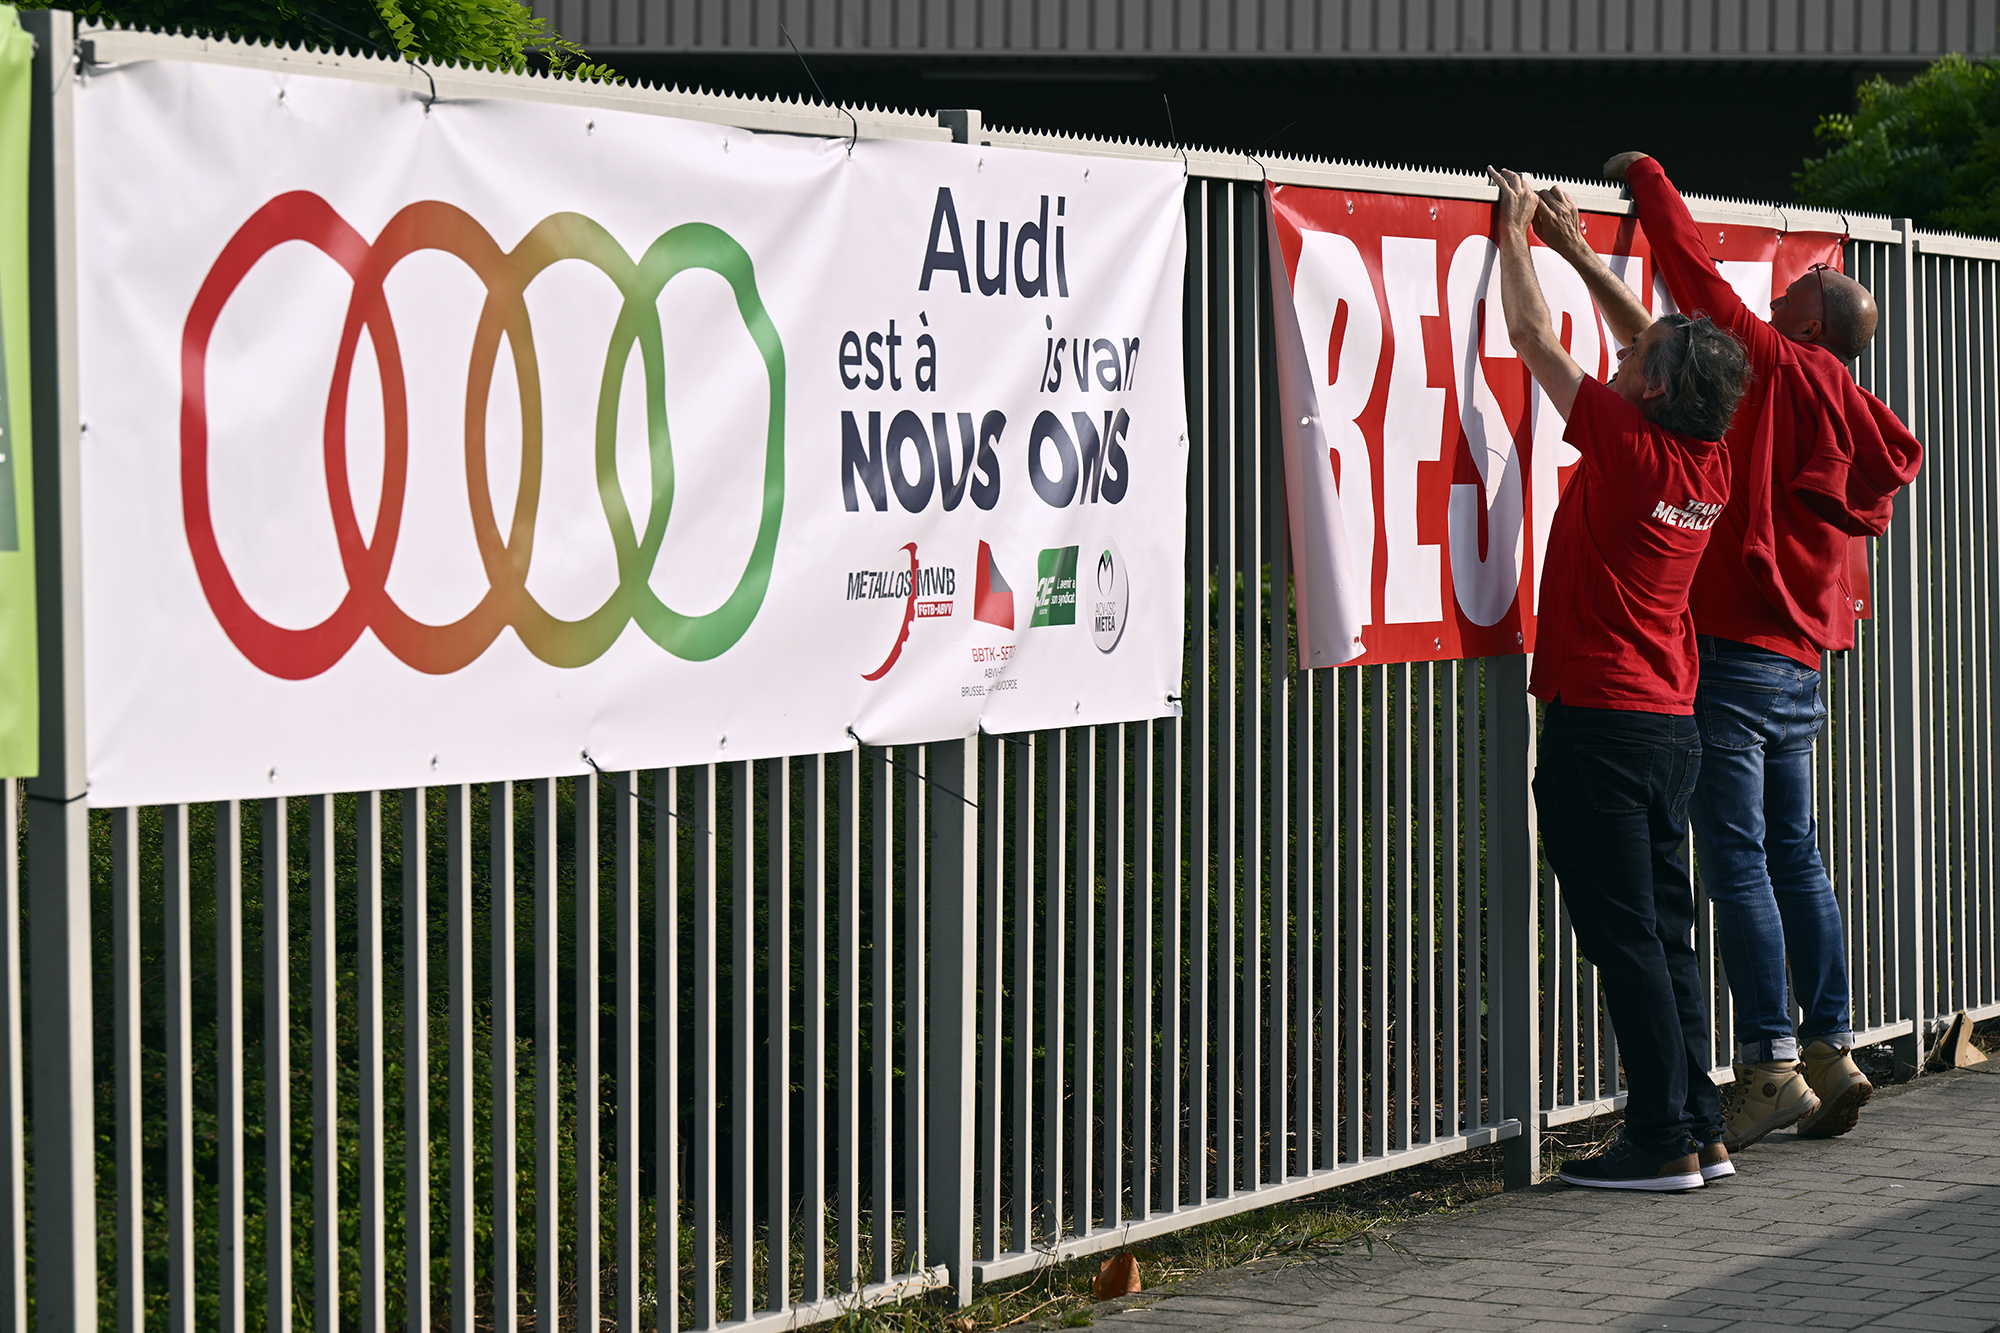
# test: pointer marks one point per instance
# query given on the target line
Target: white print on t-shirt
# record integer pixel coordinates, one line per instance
(1693, 515)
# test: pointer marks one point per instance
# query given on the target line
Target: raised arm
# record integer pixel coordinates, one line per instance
(1560, 226)
(1691, 276)
(1527, 314)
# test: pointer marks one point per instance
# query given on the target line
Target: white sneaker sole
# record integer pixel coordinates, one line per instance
(1655, 1184)
(1719, 1171)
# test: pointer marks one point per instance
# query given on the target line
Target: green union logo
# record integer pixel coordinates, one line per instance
(1055, 587)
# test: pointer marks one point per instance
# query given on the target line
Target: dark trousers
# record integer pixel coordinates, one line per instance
(1611, 793)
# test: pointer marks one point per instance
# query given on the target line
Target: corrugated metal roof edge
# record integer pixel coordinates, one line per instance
(1523, 55)
(1597, 196)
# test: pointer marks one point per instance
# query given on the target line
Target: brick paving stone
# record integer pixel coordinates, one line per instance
(1458, 1321)
(1895, 1226)
(1935, 1323)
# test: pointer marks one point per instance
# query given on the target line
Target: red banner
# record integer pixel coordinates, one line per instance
(1413, 426)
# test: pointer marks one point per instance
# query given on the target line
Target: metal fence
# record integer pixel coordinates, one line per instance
(756, 1043)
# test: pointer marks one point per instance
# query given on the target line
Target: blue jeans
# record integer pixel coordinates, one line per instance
(1612, 790)
(1757, 848)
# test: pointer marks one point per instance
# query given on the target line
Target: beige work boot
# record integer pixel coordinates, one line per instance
(1842, 1090)
(1766, 1096)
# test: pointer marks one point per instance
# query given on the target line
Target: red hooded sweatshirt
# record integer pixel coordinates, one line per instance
(1814, 459)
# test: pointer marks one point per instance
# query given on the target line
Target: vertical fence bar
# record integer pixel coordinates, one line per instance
(1327, 685)
(1402, 844)
(1191, 739)
(1229, 710)
(1473, 892)
(1511, 842)
(1904, 552)
(277, 891)
(1173, 882)
(812, 1004)
(128, 1102)
(458, 1131)
(372, 1125)
(416, 1067)
(952, 840)
(1116, 976)
(848, 763)
(702, 1186)
(742, 1041)
(778, 1010)
(915, 761)
(500, 885)
(1423, 847)
(547, 1041)
(59, 929)
(1302, 687)
(1146, 864)
(229, 1193)
(589, 1029)
(882, 1025)
(1255, 701)
(326, 1066)
(626, 1219)
(1381, 836)
(1084, 1018)
(1351, 919)
(1054, 792)
(179, 948)
(13, 1126)
(1023, 1236)
(991, 948)
(667, 817)
(1451, 800)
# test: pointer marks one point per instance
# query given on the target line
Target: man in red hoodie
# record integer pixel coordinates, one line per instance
(1814, 461)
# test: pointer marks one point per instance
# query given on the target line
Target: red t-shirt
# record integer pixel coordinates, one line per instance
(1815, 459)
(1614, 629)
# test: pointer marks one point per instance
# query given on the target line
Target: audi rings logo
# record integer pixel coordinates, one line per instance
(298, 654)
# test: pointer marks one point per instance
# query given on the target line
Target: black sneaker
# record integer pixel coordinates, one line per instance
(1626, 1166)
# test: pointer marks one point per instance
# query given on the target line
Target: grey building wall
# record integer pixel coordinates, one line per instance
(1702, 30)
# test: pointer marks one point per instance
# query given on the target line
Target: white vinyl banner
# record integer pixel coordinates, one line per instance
(450, 445)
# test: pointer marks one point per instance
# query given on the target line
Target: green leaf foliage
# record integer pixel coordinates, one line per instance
(486, 34)
(1928, 150)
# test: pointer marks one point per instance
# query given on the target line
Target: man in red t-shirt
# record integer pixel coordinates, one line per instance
(1815, 462)
(1615, 660)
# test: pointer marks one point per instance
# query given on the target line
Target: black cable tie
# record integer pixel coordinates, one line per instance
(1252, 154)
(822, 92)
(668, 811)
(56, 800)
(920, 775)
(1173, 139)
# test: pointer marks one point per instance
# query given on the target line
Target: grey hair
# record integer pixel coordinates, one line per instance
(1705, 372)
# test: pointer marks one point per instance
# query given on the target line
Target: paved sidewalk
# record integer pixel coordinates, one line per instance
(1897, 1226)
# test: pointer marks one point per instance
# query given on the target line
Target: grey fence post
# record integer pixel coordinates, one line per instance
(1513, 916)
(954, 910)
(58, 821)
(1903, 554)
(965, 125)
